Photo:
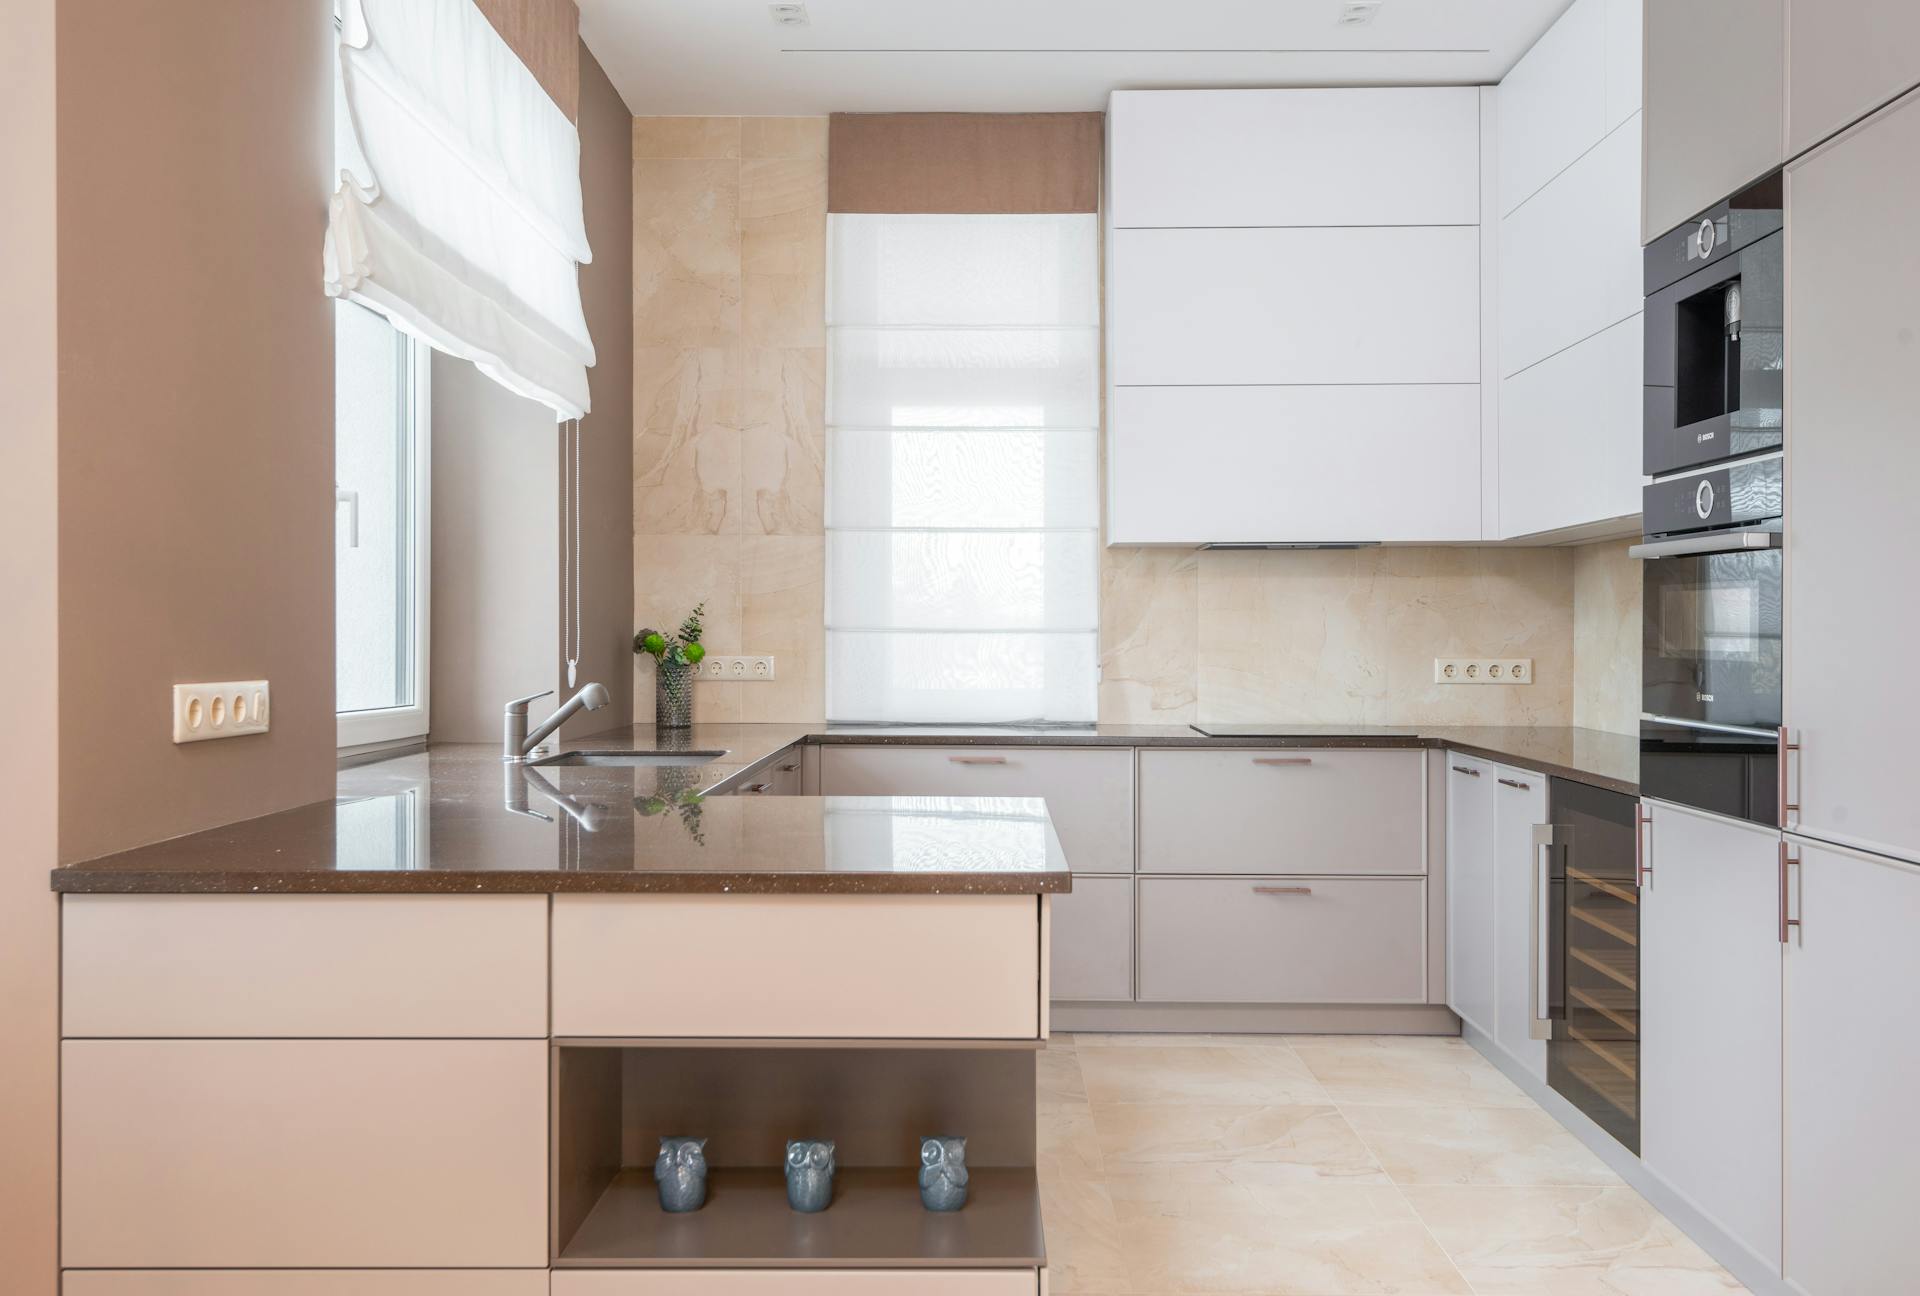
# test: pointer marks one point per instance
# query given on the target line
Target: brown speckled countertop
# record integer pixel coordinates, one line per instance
(456, 819)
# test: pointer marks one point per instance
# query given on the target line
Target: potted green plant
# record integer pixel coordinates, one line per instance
(676, 664)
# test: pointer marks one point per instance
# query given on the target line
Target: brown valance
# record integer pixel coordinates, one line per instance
(966, 163)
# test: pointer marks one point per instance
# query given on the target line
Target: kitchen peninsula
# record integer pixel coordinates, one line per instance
(426, 1038)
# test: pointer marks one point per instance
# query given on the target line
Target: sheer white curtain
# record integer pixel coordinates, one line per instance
(458, 212)
(963, 506)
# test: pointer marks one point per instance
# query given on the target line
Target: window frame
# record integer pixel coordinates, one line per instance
(384, 725)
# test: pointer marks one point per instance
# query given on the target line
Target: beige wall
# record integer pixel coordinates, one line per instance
(1606, 637)
(606, 294)
(729, 301)
(196, 408)
(29, 498)
(1332, 636)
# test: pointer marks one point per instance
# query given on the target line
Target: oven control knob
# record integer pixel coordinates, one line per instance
(1703, 500)
(1708, 237)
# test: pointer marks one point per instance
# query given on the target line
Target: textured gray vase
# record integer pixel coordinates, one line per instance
(681, 1172)
(809, 1174)
(943, 1172)
(672, 695)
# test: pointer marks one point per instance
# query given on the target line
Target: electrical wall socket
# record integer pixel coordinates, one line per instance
(1483, 670)
(205, 711)
(718, 666)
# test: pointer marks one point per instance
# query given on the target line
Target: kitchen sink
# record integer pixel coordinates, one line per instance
(632, 759)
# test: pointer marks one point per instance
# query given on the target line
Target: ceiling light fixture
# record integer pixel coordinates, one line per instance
(1355, 12)
(789, 15)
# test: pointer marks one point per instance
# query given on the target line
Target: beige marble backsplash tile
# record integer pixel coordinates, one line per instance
(729, 398)
(1606, 637)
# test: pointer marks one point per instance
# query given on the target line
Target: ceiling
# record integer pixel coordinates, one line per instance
(730, 57)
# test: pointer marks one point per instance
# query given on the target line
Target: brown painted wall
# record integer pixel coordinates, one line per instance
(544, 33)
(29, 433)
(606, 292)
(196, 408)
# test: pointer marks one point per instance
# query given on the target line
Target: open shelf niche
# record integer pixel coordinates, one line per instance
(615, 1099)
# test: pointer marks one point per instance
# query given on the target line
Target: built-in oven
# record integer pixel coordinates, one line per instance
(1715, 335)
(1710, 659)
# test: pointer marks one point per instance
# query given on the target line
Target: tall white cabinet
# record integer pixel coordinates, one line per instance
(1853, 613)
(1294, 345)
(1570, 278)
(1710, 1019)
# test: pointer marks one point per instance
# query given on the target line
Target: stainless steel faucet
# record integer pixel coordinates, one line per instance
(523, 746)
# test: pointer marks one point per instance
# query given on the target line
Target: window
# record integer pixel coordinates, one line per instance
(963, 468)
(380, 394)
(380, 528)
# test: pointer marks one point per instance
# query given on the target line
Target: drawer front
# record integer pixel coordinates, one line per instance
(804, 1282)
(254, 966)
(1089, 792)
(1245, 940)
(779, 777)
(1283, 810)
(355, 1154)
(735, 966)
(305, 1282)
(1093, 940)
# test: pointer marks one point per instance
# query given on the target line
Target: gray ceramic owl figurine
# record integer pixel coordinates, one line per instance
(681, 1173)
(809, 1174)
(943, 1172)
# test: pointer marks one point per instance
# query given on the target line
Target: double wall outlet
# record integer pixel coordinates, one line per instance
(205, 711)
(718, 666)
(1483, 670)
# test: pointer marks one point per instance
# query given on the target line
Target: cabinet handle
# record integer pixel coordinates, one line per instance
(1787, 921)
(788, 769)
(1540, 1026)
(757, 787)
(1515, 783)
(1470, 773)
(1283, 890)
(978, 760)
(1283, 760)
(1786, 807)
(1642, 870)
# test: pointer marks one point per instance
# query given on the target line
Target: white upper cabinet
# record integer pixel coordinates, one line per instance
(1853, 615)
(1715, 95)
(1303, 305)
(1569, 317)
(1844, 59)
(1197, 158)
(1570, 256)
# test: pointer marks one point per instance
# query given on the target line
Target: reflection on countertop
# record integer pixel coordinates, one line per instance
(455, 818)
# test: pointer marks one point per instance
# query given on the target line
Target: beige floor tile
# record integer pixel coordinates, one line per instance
(1422, 1075)
(1396, 1043)
(1084, 1252)
(1059, 1077)
(1286, 1142)
(1316, 1240)
(1513, 1146)
(1195, 1074)
(1068, 1143)
(1604, 1241)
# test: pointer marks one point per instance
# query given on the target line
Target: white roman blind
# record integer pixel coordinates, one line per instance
(963, 514)
(457, 212)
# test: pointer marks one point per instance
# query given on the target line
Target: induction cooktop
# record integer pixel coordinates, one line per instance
(1300, 731)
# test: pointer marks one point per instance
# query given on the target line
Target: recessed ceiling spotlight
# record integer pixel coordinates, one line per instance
(789, 15)
(1353, 12)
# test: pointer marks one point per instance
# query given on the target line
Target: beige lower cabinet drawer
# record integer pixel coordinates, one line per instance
(1283, 810)
(1093, 940)
(353, 966)
(817, 966)
(305, 1282)
(1088, 790)
(1283, 940)
(791, 1282)
(303, 1154)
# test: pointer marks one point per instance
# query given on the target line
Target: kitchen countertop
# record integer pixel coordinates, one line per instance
(455, 819)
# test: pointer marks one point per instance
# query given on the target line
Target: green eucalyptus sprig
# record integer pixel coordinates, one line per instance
(681, 648)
